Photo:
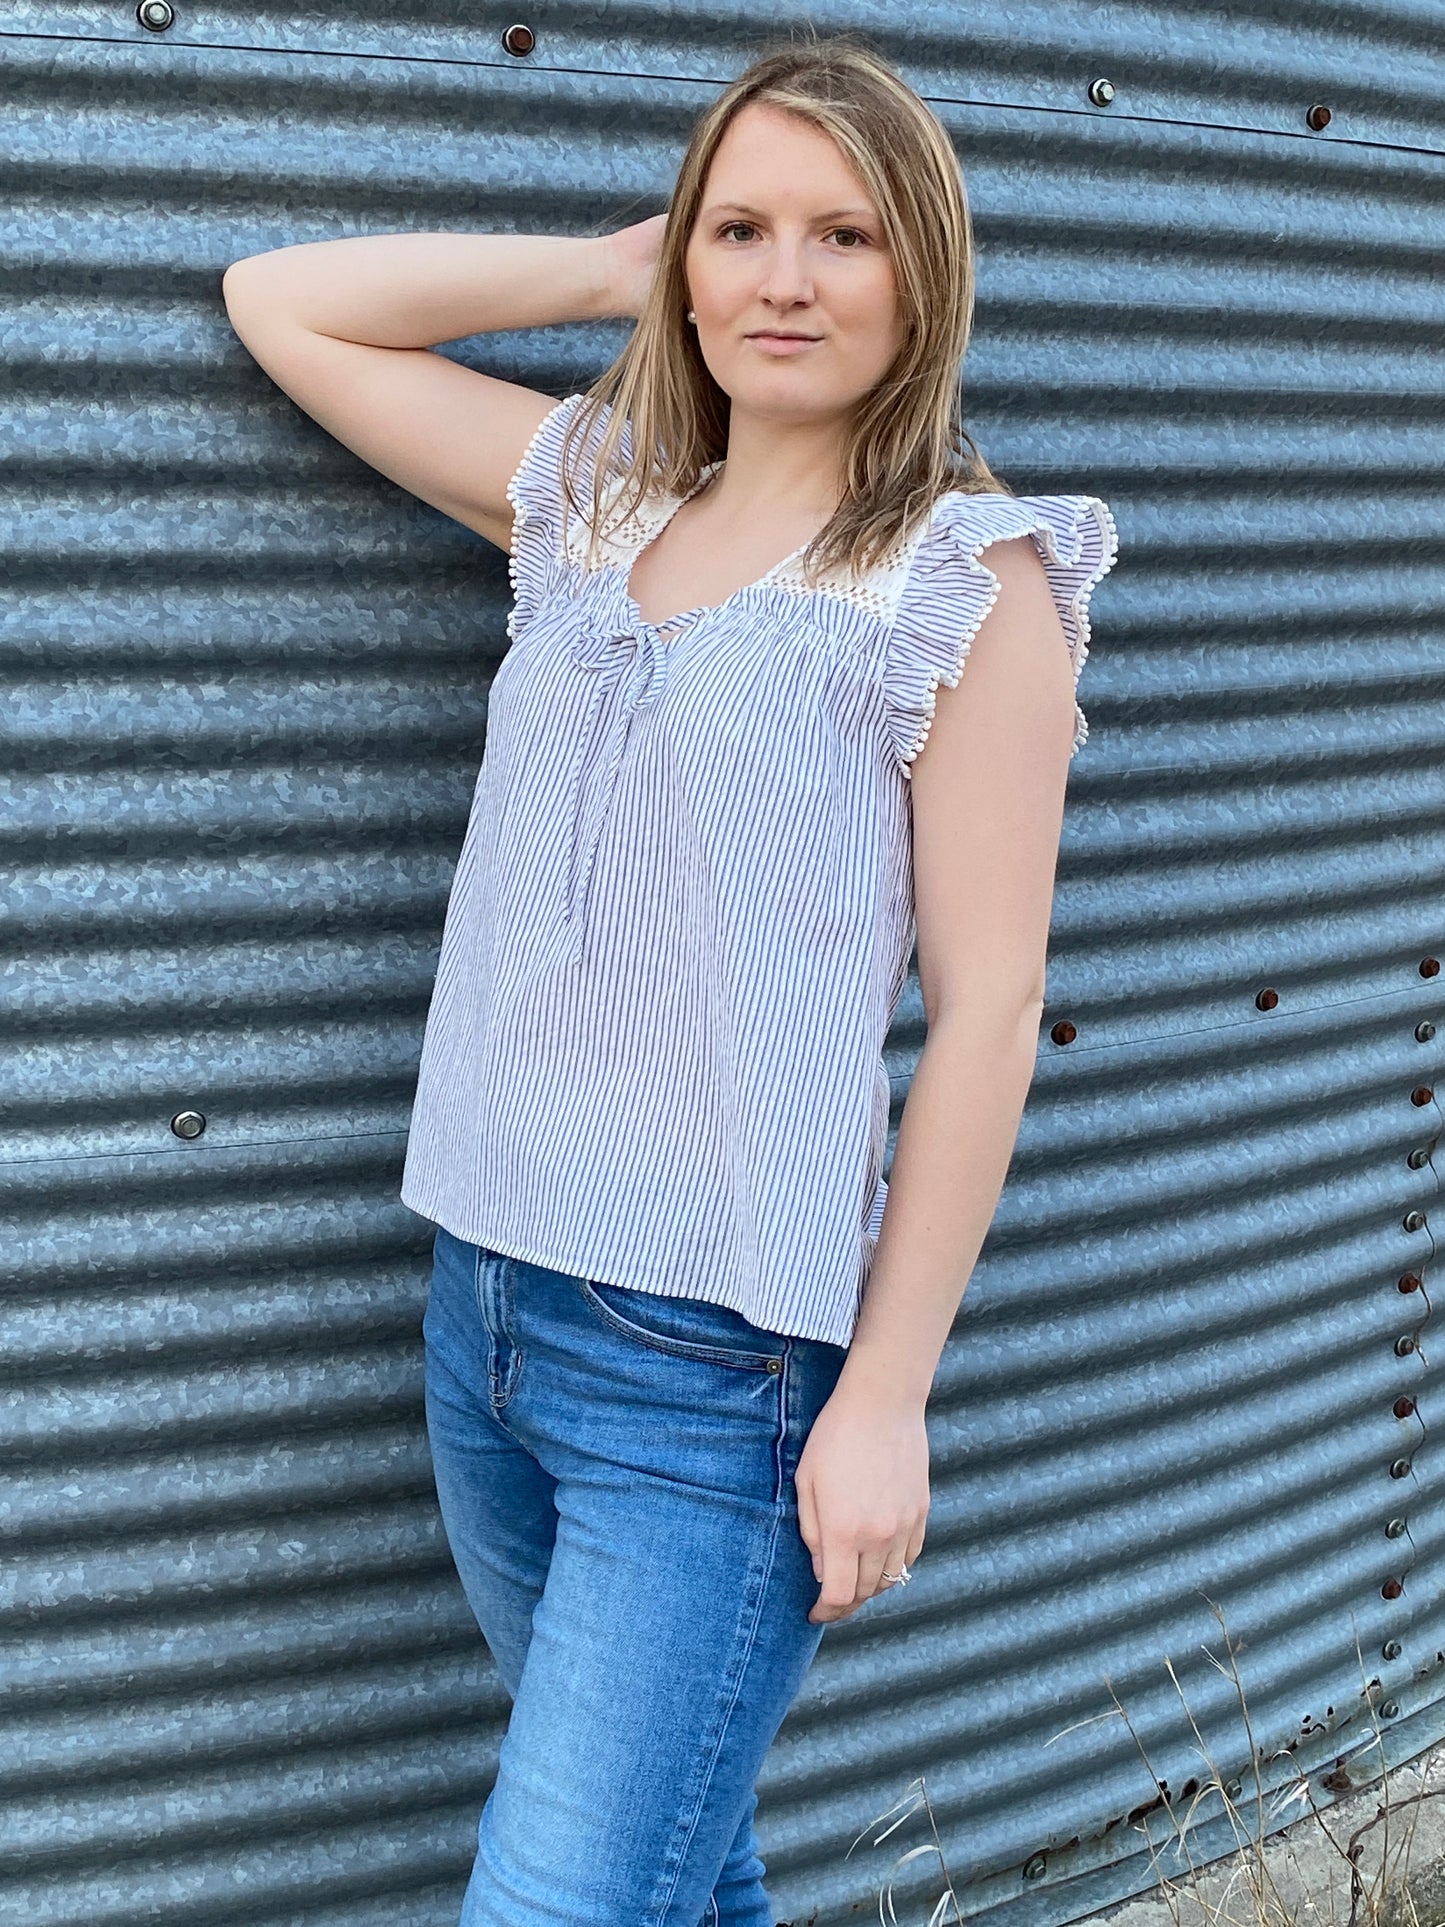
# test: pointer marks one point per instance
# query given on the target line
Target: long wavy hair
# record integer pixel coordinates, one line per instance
(906, 443)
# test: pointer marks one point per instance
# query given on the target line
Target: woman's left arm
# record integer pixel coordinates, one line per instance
(988, 799)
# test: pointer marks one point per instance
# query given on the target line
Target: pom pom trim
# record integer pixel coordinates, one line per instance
(522, 518)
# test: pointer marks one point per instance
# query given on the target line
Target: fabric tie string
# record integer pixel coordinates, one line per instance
(632, 664)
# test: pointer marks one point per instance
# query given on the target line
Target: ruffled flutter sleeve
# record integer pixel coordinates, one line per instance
(537, 556)
(950, 589)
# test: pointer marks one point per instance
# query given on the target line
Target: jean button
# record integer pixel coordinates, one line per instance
(775, 1364)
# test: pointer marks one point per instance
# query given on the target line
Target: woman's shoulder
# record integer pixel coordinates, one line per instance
(549, 522)
(1075, 535)
(536, 486)
(950, 590)
(966, 521)
(939, 566)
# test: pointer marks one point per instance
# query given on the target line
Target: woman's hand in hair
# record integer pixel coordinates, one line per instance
(863, 1497)
(631, 255)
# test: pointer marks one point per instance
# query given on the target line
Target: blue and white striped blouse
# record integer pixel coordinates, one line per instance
(683, 912)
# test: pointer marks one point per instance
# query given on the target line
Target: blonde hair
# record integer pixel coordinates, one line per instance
(906, 444)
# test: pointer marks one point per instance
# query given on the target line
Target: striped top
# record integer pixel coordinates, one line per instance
(683, 912)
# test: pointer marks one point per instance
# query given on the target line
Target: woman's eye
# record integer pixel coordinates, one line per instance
(731, 227)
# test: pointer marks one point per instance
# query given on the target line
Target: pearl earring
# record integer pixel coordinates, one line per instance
(691, 315)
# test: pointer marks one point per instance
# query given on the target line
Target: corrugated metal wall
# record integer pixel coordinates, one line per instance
(244, 701)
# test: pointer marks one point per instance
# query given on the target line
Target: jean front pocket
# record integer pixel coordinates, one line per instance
(687, 1391)
(685, 1327)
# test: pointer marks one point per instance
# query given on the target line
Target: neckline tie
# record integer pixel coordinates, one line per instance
(630, 659)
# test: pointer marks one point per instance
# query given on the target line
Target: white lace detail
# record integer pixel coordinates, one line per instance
(877, 592)
(619, 543)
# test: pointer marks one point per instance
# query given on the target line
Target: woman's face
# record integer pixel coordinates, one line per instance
(787, 240)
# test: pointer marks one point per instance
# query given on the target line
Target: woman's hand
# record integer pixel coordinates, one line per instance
(862, 1494)
(630, 256)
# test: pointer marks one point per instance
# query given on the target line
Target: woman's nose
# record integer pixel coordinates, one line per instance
(786, 277)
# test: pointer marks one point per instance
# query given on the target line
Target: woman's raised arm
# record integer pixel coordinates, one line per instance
(347, 329)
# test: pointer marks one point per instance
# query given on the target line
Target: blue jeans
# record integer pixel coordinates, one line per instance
(615, 1473)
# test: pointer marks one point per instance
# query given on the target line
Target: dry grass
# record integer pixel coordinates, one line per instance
(1259, 1882)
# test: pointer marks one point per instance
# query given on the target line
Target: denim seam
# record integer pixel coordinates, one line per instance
(499, 1396)
(477, 1255)
(781, 1437)
(759, 1574)
(507, 1298)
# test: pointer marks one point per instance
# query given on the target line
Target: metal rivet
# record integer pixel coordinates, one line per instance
(1391, 1649)
(1389, 1709)
(1036, 1866)
(1422, 1095)
(1266, 1000)
(1063, 1032)
(1404, 1345)
(1403, 1406)
(1233, 1789)
(1400, 1468)
(1429, 966)
(1414, 1221)
(775, 1364)
(1318, 117)
(188, 1123)
(1101, 92)
(519, 40)
(1395, 1529)
(156, 15)
(1424, 1031)
(1409, 1281)
(1418, 1159)
(1392, 1588)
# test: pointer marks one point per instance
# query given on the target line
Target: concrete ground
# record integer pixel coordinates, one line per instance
(1400, 1860)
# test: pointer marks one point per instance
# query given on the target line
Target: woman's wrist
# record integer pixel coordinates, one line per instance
(591, 278)
(879, 1377)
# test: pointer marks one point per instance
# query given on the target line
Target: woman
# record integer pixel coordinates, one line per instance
(731, 764)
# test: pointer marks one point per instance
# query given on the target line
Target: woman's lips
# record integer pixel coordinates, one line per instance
(784, 344)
